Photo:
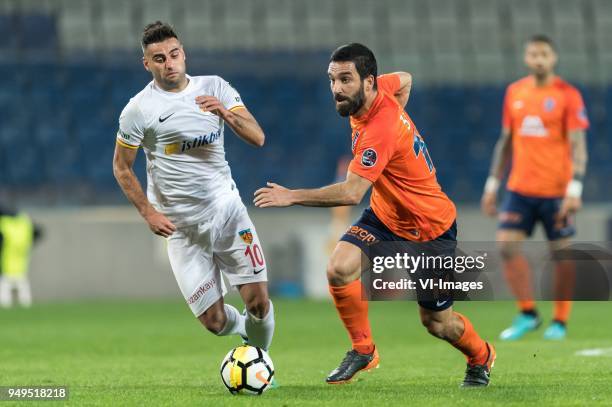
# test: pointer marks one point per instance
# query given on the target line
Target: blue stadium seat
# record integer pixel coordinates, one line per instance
(76, 111)
(9, 42)
(49, 134)
(38, 32)
(62, 164)
(24, 167)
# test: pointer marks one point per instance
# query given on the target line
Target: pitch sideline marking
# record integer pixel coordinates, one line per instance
(595, 352)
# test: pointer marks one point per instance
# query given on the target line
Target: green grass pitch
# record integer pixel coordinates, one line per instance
(155, 353)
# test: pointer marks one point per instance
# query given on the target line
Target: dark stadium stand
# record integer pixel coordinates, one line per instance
(58, 127)
(58, 117)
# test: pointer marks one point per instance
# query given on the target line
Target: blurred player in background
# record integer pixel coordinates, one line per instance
(543, 134)
(17, 235)
(191, 198)
(407, 204)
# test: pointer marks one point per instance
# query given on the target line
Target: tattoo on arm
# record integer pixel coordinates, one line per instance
(245, 126)
(579, 153)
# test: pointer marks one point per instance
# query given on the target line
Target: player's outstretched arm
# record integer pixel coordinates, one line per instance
(501, 158)
(349, 192)
(123, 162)
(239, 119)
(403, 93)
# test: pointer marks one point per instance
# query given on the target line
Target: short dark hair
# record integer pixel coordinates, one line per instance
(360, 55)
(543, 38)
(157, 32)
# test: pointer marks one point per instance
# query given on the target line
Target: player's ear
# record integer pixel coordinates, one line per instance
(370, 83)
(145, 63)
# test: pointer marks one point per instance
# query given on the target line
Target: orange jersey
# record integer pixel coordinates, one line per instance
(540, 119)
(389, 151)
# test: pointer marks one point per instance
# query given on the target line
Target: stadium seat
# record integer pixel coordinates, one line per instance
(484, 12)
(154, 10)
(8, 40)
(279, 24)
(120, 33)
(362, 24)
(24, 167)
(199, 22)
(38, 32)
(75, 28)
(321, 24)
(461, 53)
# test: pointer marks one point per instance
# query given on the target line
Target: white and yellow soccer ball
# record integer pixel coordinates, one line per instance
(247, 370)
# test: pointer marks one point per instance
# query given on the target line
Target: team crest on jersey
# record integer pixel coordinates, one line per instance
(368, 158)
(549, 104)
(354, 142)
(246, 235)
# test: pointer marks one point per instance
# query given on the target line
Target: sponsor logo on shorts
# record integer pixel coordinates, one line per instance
(510, 217)
(246, 235)
(362, 234)
(201, 291)
(368, 158)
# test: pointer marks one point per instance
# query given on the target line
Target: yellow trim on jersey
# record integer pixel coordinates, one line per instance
(122, 144)
(237, 107)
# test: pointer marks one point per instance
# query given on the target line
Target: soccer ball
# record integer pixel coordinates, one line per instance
(247, 370)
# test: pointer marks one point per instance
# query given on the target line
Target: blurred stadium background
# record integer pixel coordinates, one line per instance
(69, 66)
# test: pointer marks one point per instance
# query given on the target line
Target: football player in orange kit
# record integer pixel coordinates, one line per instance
(543, 131)
(407, 204)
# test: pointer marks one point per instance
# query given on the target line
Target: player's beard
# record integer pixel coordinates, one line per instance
(351, 104)
(541, 73)
(173, 82)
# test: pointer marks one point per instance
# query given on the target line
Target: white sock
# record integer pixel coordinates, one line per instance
(260, 331)
(235, 322)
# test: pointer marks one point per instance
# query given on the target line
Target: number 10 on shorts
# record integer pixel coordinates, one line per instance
(255, 254)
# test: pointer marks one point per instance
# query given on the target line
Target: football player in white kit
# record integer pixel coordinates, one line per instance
(191, 198)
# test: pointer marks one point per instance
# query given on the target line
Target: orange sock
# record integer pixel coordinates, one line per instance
(518, 276)
(470, 344)
(562, 310)
(564, 281)
(353, 312)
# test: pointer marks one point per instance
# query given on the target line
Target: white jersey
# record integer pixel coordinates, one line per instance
(188, 178)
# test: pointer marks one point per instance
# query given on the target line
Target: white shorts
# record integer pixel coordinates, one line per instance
(199, 253)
